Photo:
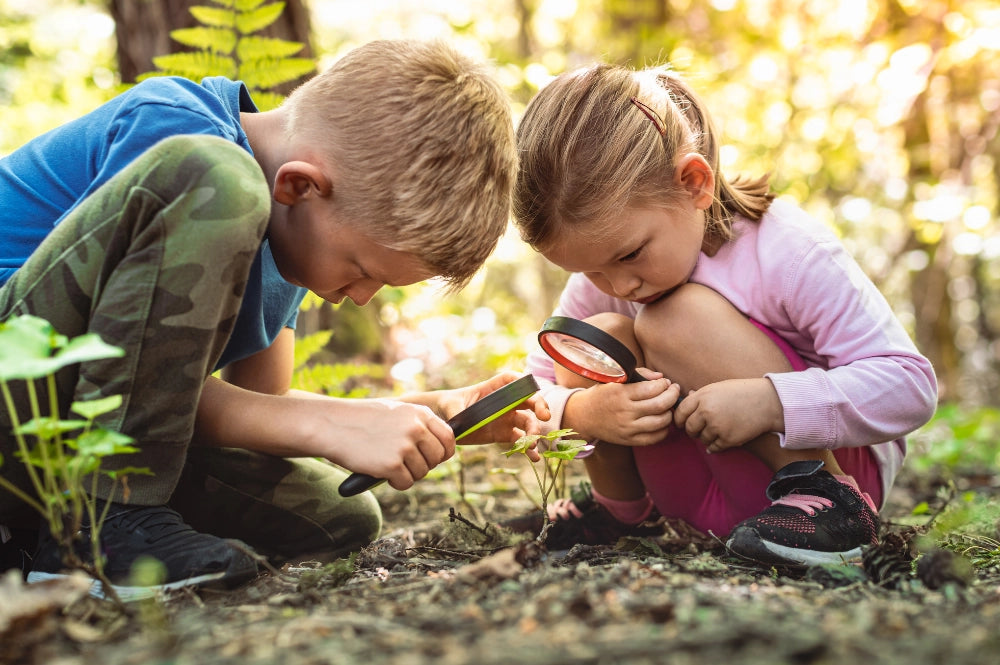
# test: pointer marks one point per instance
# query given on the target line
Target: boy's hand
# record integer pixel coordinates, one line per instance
(394, 440)
(730, 413)
(507, 428)
(629, 414)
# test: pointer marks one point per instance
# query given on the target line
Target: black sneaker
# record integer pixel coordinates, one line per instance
(815, 519)
(129, 533)
(580, 520)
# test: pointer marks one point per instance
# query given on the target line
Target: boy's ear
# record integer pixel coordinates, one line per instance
(297, 180)
(695, 175)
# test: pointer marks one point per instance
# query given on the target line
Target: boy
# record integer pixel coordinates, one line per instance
(185, 227)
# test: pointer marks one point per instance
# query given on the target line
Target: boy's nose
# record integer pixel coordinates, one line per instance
(361, 293)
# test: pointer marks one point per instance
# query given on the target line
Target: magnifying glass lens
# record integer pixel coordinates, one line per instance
(584, 355)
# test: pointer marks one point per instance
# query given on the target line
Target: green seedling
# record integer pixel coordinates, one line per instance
(558, 450)
(62, 456)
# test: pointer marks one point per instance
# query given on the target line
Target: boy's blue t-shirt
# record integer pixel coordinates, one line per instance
(46, 178)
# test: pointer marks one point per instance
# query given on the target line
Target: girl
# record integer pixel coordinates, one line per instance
(798, 381)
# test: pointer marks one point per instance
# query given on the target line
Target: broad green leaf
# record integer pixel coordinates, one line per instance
(259, 18)
(102, 442)
(90, 409)
(26, 346)
(47, 428)
(85, 348)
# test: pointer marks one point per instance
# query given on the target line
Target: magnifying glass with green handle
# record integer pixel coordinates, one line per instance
(481, 413)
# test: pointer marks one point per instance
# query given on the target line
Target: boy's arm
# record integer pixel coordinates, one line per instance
(383, 438)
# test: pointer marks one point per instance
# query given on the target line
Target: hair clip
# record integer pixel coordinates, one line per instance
(652, 115)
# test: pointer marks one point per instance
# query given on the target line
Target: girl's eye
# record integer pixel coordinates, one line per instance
(631, 256)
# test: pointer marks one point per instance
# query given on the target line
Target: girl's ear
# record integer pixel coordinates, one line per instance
(695, 175)
(296, 181)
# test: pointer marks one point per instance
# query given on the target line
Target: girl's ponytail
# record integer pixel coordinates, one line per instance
(746, 197)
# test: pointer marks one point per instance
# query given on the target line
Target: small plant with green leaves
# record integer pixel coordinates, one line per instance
(558, 449)
(226, 45)
(62, 456)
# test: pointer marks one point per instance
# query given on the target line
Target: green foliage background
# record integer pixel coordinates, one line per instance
(879, 116)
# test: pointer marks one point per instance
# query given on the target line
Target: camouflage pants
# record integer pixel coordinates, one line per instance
(155, 261)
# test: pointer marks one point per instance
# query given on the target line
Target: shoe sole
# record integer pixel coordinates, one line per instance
(130, 594)
(749, 545)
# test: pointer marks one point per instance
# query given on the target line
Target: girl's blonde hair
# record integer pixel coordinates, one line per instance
(596, 141)
(421, 139)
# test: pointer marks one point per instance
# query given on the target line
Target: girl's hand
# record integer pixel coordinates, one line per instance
(630, 414)
(730, 413)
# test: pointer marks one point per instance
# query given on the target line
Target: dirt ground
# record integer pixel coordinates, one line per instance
(434, 590)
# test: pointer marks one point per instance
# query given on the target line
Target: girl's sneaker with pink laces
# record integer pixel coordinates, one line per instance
(814, 519)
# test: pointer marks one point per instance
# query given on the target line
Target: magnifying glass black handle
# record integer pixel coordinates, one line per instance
(357, 483)
(494, 405)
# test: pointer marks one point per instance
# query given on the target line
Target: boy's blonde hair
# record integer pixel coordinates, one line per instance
(596, 141)
(421, 139)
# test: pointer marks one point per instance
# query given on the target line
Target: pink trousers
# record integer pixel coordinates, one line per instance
(714, 492)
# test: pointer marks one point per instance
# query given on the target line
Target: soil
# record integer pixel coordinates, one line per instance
(435, 589)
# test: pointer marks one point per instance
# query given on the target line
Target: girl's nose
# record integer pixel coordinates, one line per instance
(624, 285)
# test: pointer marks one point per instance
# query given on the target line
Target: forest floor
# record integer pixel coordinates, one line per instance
(434, 590)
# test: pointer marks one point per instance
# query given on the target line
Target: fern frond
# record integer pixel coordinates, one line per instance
(213, 16)
(258, 48)
(259, 18)
(266, 101)
(217, 40)
(244, 5)
(268, 72)
(196, 66)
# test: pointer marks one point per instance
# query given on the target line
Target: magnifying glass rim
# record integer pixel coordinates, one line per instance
(494, 405)
(593, 336)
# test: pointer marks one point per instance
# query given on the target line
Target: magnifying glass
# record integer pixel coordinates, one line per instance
(588, 351)
(481, 413)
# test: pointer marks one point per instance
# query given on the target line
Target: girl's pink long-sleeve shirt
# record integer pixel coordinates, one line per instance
(866, 383)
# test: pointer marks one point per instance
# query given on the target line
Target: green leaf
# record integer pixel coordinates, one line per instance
(26, 346)
(267, 101)
(218, 40)
(115, 474)
(268, 72)
(213, 16)
(90, 409)
(196, 66)
(247, 5)
(259, 18)
(102, 442)
(47, 428)
(87, 347)
(260, 48)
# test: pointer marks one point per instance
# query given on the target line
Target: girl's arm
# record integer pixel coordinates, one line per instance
(871, 384)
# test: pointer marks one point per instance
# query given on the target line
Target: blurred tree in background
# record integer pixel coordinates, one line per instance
(878, 116)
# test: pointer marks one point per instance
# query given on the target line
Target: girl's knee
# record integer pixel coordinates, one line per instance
(685, 316)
